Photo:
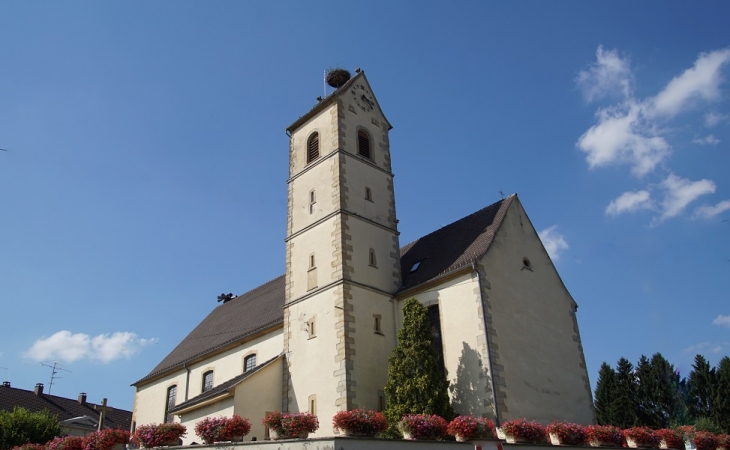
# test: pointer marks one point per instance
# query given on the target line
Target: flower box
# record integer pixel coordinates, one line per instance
(669, 438)
(359, 422)
(604, 436)
(422, 427)
(290, 425)
(154, 435)
(468, 428)
(520, 430)
(219, 429)
(641, 437)
(704, 440)
(564, 433)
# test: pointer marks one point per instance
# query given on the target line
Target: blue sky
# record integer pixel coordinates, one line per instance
(147, 160)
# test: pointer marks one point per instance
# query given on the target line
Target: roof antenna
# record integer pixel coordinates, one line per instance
(501, 193)
(54, 371)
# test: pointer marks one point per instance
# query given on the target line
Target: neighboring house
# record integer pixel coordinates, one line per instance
(76, 416)
(318, 337)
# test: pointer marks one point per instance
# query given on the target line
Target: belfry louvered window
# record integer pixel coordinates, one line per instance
(312, 147)
(363, 143)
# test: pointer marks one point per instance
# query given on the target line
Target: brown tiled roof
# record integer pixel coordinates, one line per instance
(449, 248)
(64, 408)
(223, 387)
(453, 246)
(245, 315)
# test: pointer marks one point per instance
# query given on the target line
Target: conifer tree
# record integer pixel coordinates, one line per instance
(721, 395)
(624, 413)
(657, 385)
(700, 383)
(604, 395)
(415, 383)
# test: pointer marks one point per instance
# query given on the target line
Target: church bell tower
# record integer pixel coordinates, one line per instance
(342, 256)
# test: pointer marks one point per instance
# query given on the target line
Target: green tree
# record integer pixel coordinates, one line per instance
(700, 383)
(604, 395)
(415, 383)
(721, 395)
(624, 415)
(657, 385)
(21, 426)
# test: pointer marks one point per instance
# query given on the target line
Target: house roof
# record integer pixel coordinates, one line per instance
(223, 387)
(445, 250)
(453, 246)
(63, 408)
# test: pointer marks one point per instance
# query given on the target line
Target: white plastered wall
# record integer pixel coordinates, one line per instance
(532, 316)
(365, 236)
(317, 241)
(258, 394)
(312, 360)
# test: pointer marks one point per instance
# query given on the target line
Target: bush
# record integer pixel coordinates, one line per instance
(568, 433)
(360, 421)
(470, 427)
(66, 443)
(423, 426)
(154, 435)
(521, 428)
(104, 439)
(20, 426)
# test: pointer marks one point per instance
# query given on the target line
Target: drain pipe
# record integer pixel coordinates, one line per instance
(187, 380)
(489, 355)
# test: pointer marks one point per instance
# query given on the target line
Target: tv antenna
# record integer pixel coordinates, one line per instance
(54, 372)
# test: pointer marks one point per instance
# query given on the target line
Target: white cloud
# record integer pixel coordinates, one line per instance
(69, 347)
(609, 75)
(705, 347)
(707, 140)
(632, 132)
(680, 192)
(629, 202)
(723, 321)
(701, 81)
(713, 118)
(708, 212)
(622, 136)
(553, 241)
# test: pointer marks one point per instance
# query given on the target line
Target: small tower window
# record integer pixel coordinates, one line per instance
(311, 329)
(313, 147)
(207, 381)
(311, 261)
(249, 363)
(377, 324)
(371, 258)
(312, 201)
(363, 143)
(312, 403)
(368, 194)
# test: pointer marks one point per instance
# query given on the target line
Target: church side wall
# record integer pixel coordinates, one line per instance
(534, 340)
(223, 408)
(150, 399)
(462, 333)
(257, 395)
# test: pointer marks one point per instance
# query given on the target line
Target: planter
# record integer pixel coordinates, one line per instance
(663, 444)
(689, 445)
(350, 433)
(597, 443)
(407, 436)
(633, 443)
(460, 438)
(512, 439)
(555, 439)
(237, 438)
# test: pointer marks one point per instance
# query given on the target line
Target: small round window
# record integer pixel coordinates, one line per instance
(526, 262)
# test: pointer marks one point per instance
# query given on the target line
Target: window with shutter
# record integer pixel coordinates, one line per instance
(312, 147)
(363, 143)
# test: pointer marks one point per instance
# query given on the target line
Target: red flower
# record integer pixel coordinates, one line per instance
(531, 431)
(360, 421)
(471, 427)
(423, 426)
(568, 433)
(605, 433)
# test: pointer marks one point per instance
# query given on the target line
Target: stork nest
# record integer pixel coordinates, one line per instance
(337, 77)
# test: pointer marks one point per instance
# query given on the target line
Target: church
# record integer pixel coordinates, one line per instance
(318, 337)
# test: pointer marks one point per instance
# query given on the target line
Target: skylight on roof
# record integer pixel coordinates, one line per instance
(414, 267)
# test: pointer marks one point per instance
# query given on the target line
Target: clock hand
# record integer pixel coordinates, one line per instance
(367, 100)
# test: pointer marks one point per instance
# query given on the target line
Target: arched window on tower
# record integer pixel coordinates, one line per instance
(313, 147)
(363, 144)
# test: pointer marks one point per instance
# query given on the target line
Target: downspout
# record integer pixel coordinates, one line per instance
(187, 380)
(489, 353)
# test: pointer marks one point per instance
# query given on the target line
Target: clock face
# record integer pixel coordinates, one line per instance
(362, 97)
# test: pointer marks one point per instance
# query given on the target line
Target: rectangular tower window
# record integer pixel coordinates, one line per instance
(377, 324)
(368, 194)
(371, 258)
(312, 201)
(312, 404)
(311, 330)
